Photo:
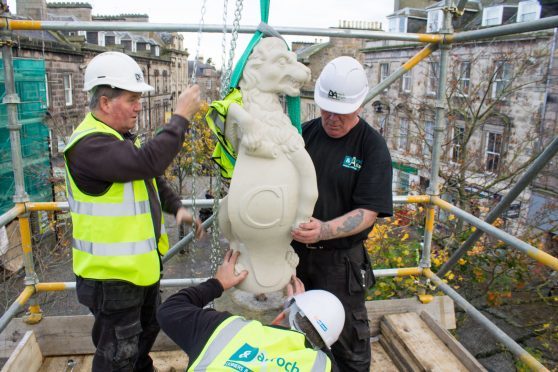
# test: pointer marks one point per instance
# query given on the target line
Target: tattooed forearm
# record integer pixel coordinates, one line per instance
(352, 222)
(325, 231)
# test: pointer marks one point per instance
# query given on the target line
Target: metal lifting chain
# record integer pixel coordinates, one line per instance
(226, 75)
(193, 127)
(224, 41)
(200, 29)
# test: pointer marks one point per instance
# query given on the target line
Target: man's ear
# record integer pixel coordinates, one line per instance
(104, 104)
(279, 318)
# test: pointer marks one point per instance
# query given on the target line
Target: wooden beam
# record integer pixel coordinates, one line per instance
(455, 346)
(62, 335)
(26, 356)
(441, 308)
(420, 346)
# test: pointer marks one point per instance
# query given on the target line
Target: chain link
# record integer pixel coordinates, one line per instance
(226, 76)
(224, 41)
(195, 65)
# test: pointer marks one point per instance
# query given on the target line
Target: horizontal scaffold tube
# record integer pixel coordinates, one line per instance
(16, 306)
(402, 199)
(514, 347)
(16, 24)
(11, 214)
(531, 251)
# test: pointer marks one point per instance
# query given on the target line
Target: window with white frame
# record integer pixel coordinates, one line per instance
(434, 22)
(428, 136)
(502, 77)
(384, 71)
(492, 16)
(433, 68)
(383, 125)
(397, 24)
(528, 11)
(102, 35)
(493, 151)
(464, 80)
(310, 111)
(407, 81)
(403, 134)
(457, 144)
(46, 92)
(68, 89)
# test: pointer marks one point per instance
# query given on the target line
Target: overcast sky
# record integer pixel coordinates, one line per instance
(288, 13)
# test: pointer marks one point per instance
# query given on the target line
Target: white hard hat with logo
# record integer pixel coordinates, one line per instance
(323, 310)
(342, 86)
(117, 70)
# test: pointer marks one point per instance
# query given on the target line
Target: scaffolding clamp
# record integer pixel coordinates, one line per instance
(34, 315)
(9, 43)
(454, 10)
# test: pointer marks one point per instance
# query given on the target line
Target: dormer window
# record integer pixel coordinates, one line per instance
(496, 15)
(435, 19)
(528, 11)
(397, 24)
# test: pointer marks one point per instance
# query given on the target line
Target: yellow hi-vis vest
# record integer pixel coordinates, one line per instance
(243, 345)
(224, 154)
(113, 233)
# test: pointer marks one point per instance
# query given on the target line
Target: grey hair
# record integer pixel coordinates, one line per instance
(310, 332)
(100, 91)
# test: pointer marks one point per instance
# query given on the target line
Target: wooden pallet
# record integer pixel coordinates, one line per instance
(417, 343)
(60, 339)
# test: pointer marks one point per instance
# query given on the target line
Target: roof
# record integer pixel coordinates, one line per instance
(409, 12)
(69, 5)
(306, 52)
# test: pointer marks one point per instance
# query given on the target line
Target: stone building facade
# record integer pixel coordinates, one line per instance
(499, 117)
(316, 55)
(161, 56)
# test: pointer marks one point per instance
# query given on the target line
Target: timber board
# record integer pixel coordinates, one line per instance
(441, 309)
(380, 359)
(26, 356)
(421, 344)
(62, 335)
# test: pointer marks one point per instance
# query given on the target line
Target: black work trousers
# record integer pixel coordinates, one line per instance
(125, 325)
(339, 272)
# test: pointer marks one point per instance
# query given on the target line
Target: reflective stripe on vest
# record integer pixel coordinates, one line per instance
(128, 207)
(114, 237)
(115, 249)
(252, 352)
(220, 342)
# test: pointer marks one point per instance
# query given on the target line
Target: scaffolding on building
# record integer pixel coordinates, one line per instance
(432, 200)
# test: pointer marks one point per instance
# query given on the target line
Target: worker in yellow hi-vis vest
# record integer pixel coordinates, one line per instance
(116, 196)
(298, 340)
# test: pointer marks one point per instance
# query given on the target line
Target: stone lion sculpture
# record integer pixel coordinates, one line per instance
(274, 183)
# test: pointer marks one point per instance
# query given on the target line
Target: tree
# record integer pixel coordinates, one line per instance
(194, 158)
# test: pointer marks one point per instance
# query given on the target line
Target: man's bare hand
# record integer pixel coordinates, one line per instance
(311, 232)
(183, 216)
(225, 272)
(295, 287)
(189, 102)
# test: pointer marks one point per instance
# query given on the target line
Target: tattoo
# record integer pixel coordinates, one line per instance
(325, 231)
(353, 221)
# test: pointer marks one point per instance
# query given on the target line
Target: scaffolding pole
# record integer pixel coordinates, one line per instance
(542, 160)
(513, 346)
(514, 242)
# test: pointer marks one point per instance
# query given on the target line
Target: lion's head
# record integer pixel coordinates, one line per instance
(272, 68)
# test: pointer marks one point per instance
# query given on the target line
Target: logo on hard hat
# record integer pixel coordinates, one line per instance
(336, 96)
(138, 78)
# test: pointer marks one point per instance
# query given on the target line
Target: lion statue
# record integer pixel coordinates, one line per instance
(274, 182)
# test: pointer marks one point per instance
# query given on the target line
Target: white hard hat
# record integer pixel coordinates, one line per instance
(323, 310)
(117, 70)
(342, 86)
